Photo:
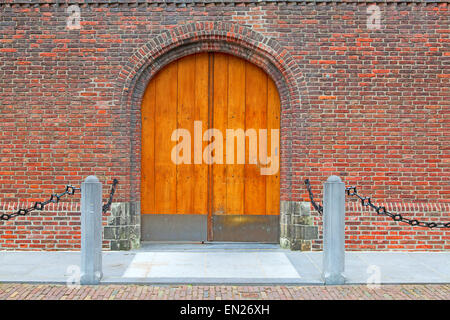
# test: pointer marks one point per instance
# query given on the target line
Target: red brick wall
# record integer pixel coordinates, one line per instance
(364, 230)
(56, 228)
(371, 106)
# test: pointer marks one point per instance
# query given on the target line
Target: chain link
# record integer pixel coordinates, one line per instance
(55, 198)
(40, 205)
(316, 206)
(381, 210)
(107, 205)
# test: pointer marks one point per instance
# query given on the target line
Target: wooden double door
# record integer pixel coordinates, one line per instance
(197, 198)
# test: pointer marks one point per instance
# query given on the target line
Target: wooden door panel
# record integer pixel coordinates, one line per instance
(220, 122)
(255, 118)
(185, 120)
(236, 120)
(222, 92)
(273, 122)
(201, 114)
(165, 123)
(148, 147)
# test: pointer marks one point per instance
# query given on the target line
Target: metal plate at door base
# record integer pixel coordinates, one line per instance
(246, 228)
(173, 227)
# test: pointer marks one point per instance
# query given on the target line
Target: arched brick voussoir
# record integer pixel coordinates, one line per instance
(230, 38)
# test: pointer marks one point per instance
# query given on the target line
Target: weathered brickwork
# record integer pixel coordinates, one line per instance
(57, 228)
(364, 230)
(15, 291)
(371, 106)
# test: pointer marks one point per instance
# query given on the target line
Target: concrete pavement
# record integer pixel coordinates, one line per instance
(225, 263)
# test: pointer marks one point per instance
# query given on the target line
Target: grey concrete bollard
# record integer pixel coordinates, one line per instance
(333, 231)
(91, 231)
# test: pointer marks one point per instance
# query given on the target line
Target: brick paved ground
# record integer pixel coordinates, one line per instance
(119, 292)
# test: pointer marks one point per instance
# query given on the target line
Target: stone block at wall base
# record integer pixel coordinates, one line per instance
(296, 226)
(295, 245)
(123, 228)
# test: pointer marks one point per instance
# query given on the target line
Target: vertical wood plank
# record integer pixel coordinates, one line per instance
(273, 122)
(185, 120)
(255, 118)
(200, 185)
(165, 123)
(148, 148)
(210, 125)
(236, 120)
(220, 107)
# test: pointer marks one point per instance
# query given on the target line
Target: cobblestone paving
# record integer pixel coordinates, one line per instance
(125, 292)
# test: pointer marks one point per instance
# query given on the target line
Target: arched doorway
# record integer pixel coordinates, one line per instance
(223, 185)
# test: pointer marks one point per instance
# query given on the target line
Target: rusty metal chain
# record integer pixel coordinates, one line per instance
(316, 206)
(107, 205)
(39, 205)
(55, 198)
(380, 210)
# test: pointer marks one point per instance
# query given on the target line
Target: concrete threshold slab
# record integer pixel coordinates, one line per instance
(206, 246)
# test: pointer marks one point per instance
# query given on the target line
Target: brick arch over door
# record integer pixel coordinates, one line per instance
(233, 39)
